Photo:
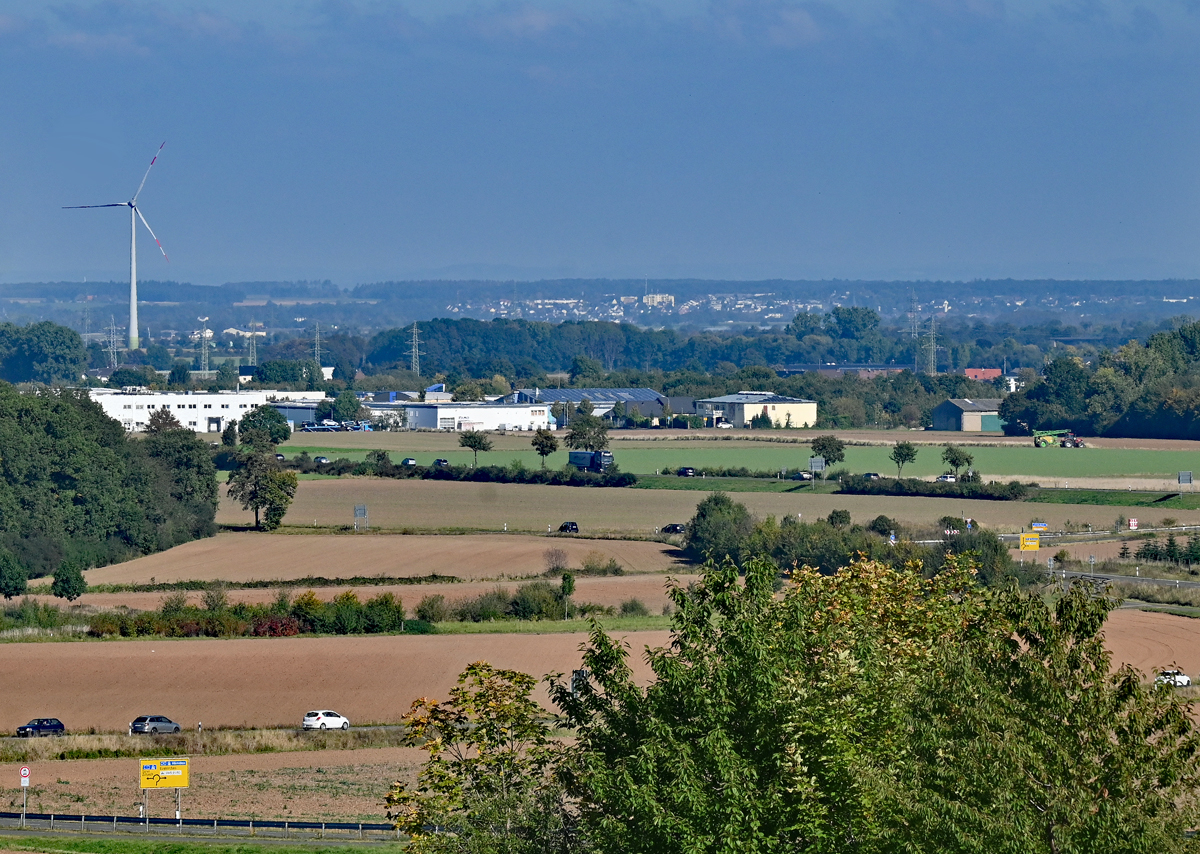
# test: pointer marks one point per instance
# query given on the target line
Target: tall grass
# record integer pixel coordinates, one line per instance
(210, 743)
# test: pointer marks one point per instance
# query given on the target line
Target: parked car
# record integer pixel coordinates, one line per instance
(674, 528)
(947, 478)
(280, 457)
(871, 475)
(321, 460)
(686, 471)
(408, 461)
(152, 725)
(39, 727)
(802, 475)
(441, 464)
(1172, 677)
(569, 528)
(324, 720)
(725, 425)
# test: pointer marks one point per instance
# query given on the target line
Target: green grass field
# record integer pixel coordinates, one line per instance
(1118, 498)
(649, 458)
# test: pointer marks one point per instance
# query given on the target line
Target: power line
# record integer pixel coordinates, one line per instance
(111, 349)
(931, 347)
(317, 344)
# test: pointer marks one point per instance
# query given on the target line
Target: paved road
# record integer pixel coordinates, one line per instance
(1128, 579)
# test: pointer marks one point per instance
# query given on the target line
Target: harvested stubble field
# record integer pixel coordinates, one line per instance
(329, 785)
(434, 505)
(608, 591)
(248, 556)
(263, 682)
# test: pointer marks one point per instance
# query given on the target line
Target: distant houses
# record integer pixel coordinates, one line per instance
(739, 409)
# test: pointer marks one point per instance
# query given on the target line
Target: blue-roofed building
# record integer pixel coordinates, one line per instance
(643, 401)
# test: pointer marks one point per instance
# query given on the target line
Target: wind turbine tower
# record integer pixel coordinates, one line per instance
(134, 216)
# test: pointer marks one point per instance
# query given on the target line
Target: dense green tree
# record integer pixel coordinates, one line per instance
(227, 375)
(586, 431)
(161, 420)
(69, 582)
(13, 578)
(903, 454)
(719, 528)
(1025, 738)
(180, 376)
(42, 353)
(347, 407)
(831, 448)
(956, 458)
(474, 441)
(267, 419)
(126, 376)
(489, 773)
(159, 357)
(544, 443)
(259, 484)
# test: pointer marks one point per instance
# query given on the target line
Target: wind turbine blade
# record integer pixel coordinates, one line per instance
(79, 207)
(147, 175)
(151, 230)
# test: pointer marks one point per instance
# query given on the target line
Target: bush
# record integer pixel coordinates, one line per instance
(718, 528)
(839, 518)
(536, 601)
(346, 614)
(634, 608)
(275, 626)
(106, 624)
(883, 526)
(594, 563)
(854, 484)
(433, 609)
(492, 605)
(385, 613)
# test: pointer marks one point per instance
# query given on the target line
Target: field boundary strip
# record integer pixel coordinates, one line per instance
(68, 822)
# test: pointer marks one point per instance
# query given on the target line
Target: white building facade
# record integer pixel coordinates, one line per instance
(203, 412)
(466, 416)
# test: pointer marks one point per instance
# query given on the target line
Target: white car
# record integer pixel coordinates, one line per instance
(325, 720)
(947, 478)
(1177, 678)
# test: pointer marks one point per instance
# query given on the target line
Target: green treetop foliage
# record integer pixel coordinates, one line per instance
(489, 771)
(267, 419)
(42, 353)
(474, 441)
(720, 528)
(903, 454)
(74, 486)
(544, 443)
(831, 448)
(259, 484)
(586, 431)
(161, 420)
(69, 582)
(956, 458)
(874, 710)
(13, 577)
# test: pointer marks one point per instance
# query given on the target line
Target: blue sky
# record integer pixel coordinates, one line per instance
(365, 141)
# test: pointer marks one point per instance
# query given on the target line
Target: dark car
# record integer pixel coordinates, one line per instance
(674, 528)
(321, 460)
(569, 528)
(408, 461)
(152, 725)
(441, 464)
(41, 726)
(871, 475)
(686, 472)
(280, 457)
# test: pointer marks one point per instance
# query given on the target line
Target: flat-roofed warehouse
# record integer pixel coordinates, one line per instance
(968, 416)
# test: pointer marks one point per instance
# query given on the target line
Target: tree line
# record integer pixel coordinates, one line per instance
(76, 492)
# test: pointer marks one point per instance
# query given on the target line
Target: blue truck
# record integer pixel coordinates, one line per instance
(597, 461)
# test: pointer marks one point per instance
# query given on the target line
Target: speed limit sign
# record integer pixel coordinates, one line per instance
(24, 775)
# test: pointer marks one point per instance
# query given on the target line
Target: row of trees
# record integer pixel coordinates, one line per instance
(868, 710)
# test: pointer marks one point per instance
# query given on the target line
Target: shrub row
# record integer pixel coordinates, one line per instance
(379, 464)
(853, 484)
(537, 600)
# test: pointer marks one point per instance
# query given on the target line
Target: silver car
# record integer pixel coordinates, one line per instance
(1173, 677)
(325, 720)
(152, 725)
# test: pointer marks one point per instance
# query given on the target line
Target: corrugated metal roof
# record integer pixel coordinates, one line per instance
(754, 397)
(595, 395)
(978, 405)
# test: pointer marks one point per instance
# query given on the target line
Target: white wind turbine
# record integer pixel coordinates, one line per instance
(134, 216)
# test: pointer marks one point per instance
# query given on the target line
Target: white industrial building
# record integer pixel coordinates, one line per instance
(464, 416)
(201, 411)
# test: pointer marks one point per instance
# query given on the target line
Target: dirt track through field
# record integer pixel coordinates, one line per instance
(397, 504)
(261, 681)
(241, 557)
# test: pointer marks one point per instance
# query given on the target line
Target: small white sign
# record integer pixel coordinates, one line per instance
(24, 775)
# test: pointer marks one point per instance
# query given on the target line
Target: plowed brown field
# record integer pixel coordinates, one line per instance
(262, 682)
(244, 557)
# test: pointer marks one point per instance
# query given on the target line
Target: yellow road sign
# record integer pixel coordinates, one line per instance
(164, 773)
(1030, 542)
